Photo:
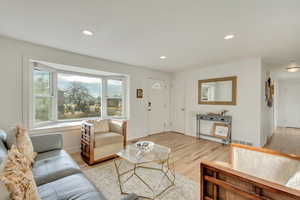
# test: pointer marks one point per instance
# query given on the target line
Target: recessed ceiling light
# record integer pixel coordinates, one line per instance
(163, 57)
(87, 32)
(228, 37)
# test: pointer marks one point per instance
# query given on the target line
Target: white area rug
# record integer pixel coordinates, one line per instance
(105, 178)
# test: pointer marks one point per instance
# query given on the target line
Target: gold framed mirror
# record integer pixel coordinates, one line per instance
(218, 91)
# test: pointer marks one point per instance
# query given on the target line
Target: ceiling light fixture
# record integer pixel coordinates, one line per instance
(87, 32)
(293, 67)
(163, 57)
(228, 37)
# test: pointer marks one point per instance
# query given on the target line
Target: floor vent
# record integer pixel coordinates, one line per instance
(242, 142)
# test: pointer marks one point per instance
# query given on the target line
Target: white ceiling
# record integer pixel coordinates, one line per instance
(282, 74)
(138, 32)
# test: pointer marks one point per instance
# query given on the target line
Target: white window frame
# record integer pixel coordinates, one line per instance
(124, 99)
(53, 93)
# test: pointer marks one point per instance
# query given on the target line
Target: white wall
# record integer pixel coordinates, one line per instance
(266, 112)
(14, 55)
(246, 114)
(275, 108)
(288, 103)
(286, 93)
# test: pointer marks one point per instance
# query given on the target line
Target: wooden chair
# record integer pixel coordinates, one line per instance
(102, 139)
(253, 173)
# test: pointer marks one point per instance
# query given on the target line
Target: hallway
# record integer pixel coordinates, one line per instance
(286, 140)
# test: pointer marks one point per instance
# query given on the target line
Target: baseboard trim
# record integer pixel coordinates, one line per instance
(178, 132)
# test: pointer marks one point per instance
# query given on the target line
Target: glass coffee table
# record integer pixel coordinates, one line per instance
(150, 170)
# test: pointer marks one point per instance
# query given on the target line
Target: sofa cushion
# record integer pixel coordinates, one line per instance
(47, 142)
(75, 187)
(3, 152)
(3, 135)
(52, 165)
(8, 137)
(103, 139)
(116, 126)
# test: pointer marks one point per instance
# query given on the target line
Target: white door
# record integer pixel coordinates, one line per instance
(289, 104)
(157, 106)
(178, 111)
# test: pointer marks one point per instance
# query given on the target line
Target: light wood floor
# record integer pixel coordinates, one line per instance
(187, 152)
(286, 140)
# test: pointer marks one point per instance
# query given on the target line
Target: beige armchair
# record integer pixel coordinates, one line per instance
(102, 139)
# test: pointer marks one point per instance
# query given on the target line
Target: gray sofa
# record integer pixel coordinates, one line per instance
(57, 175)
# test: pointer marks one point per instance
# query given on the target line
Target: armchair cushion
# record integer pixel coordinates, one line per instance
(107, 144)
(100, 126)
(103, 139)
(116, 126)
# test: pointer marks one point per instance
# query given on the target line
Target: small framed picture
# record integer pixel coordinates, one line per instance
(221, 130)
(139, 93)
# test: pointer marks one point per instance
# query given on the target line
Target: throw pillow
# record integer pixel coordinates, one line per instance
(4, 194)
(24, 143)
(11, 137)
(18, 178)
(3, 191)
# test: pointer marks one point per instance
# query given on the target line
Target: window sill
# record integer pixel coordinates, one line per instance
(61, 126)
(56, 127)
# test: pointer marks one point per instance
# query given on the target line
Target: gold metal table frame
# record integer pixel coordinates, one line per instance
(163, 167)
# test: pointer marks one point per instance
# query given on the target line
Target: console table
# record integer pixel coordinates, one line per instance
(205, 123)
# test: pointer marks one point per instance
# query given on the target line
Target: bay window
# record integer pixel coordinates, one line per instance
(114, 97)
(78, 96)
(43, 97)
(65, 96)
